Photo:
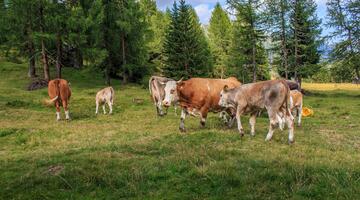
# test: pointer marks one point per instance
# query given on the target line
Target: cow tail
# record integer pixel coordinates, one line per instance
(57, 88)
(287, 98)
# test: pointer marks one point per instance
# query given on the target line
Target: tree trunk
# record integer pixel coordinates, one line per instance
(296, 47)
(125, 75)
(32, 64)
(43, 48)
(31, 50)
(283, 40)
(58, 55)
(254, 62)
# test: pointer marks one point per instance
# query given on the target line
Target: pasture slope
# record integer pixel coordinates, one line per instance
(133, 154)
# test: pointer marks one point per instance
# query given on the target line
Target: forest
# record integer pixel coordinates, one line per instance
(130, 40)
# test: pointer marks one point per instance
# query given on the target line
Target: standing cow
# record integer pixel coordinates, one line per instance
(296, 104)
(59, 93)
(105, 96)
(198, 96)
(157, 86)
(251, 98)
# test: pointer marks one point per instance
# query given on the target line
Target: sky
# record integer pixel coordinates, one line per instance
(204, 8)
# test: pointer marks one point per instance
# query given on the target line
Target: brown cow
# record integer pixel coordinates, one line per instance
(253, 97)
(59, 93)
(198, 96)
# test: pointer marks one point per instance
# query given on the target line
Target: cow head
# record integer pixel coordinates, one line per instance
(170, 93)
(225, 98)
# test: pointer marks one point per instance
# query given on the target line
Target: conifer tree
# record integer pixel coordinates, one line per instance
(344, 18)
(305, 39)
(186, 49)
(219, 40)
(247, 50)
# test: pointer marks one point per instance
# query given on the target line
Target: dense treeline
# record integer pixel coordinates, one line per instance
(132, 39)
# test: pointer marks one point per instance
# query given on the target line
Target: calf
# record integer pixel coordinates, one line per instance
(251, 98)
(157, 86)
(296, 104)
(198, 96)
(105, 96)
(59, 93)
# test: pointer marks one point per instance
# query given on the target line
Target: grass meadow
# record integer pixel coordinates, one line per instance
(133, 154)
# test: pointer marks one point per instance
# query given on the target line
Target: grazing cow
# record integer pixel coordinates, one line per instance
(293, 85)
(253, 97)
(59, 93)
(296, 103)
(157, 86)
(105, 96)
(198, 96)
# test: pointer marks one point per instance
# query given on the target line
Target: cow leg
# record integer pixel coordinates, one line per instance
(281, 119)
(159, 109)
(103, 106)
(110, 107)
(65, 103)
(231, 122)
(203, 115)
(57, 105)
(238, 120)
(97, 107)
(299, 114)
(252, 122)
(273, 124)
(290, 124)
(182, 120)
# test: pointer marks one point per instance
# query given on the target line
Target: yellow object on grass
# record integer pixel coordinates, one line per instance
(306, 112)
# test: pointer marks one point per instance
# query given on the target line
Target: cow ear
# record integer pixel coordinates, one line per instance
(226, 88)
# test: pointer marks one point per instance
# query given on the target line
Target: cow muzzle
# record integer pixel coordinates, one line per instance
(166, 103)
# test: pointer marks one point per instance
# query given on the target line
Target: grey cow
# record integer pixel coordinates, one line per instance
(157, 86)
(251, 98)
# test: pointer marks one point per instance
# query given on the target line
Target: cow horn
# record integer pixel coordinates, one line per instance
(162, 83)
(226, 88)
(180, 80)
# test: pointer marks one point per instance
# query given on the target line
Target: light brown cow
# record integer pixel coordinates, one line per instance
(296, 103)
(105, 96)
(59, 93)
(198, 96)
(251, 98)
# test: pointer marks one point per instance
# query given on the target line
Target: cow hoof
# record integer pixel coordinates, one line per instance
(291, 142)
(252, 134)
(202, 124)
(183, 130)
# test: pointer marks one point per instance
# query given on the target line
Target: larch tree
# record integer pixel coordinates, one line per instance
(247, 40)
(344, 18)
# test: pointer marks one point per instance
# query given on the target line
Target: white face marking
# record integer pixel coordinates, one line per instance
(170, 93)
(223, 102)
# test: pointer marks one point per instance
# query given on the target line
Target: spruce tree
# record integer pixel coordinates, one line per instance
(219, 40)
(186, 49)
(305, 39)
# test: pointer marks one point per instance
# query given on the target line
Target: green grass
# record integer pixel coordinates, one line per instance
(133, 154)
